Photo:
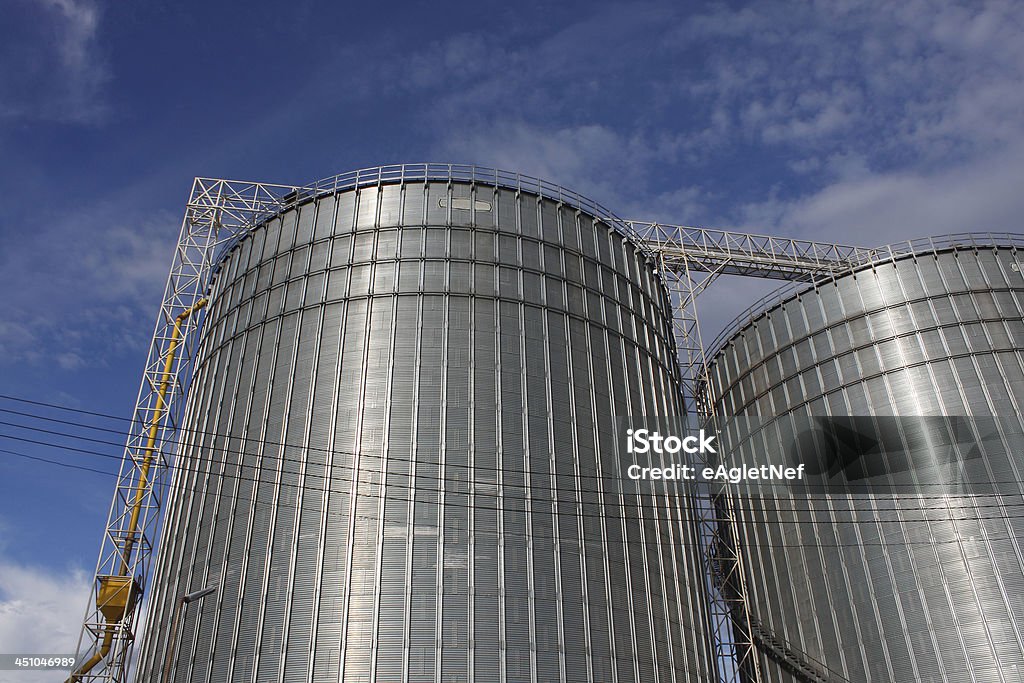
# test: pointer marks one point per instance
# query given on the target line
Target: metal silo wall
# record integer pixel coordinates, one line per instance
(399, 460)
(883, 588)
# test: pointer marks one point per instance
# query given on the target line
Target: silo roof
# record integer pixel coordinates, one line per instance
(889, 253)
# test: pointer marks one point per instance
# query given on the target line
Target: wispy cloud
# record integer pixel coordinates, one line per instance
(578, 156)
(854, 122)
(982, 195)
(41, 612)
(51, 65)
(88, 287)
(919, 76)
(862, 123)
(812, 94)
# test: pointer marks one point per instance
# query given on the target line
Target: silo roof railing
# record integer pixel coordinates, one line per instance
(458, 173)
(867, 257)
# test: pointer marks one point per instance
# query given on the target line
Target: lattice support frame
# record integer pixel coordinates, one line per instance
(690, 259)
(737, 253)
(217, 211)
(732, 635)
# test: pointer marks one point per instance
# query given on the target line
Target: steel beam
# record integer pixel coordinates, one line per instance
(689, 260)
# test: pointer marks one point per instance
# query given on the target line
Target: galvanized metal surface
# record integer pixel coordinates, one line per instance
(444, 382)
(883, 588)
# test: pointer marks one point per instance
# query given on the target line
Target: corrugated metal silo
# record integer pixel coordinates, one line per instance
(399, 460)
(889, 587)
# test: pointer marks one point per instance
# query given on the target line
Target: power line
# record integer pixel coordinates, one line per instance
(531, 487)
(246, 439)
(615, 518)
(553, 513)
(69, 409)
(58, 463)
(393, 458)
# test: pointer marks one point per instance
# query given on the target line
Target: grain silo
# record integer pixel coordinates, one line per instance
(398, 459)
(919, 586)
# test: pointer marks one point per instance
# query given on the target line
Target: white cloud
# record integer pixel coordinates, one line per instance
(81, 20)
(875, 209)
(88, 287)
(982, 195)
(579, 157)
(870, 106)
(918, 78)
(41, 612)
(727, 298)
(854, 122)
(51, 66)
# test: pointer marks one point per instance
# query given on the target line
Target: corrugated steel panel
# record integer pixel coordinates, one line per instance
(414, 433)
(924, 335)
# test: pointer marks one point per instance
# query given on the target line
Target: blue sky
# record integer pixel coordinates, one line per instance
(860, 123)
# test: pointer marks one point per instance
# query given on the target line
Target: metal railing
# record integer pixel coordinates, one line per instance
(460, 173)
(914, 247)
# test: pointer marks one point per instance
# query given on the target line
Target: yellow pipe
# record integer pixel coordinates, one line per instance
(108, 641)
(140, 489)
(154, 428)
